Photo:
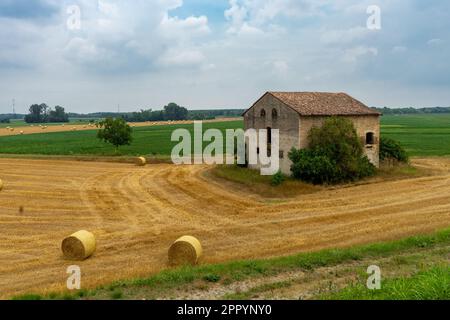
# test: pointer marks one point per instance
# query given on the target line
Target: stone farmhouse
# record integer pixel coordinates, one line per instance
(295, 113)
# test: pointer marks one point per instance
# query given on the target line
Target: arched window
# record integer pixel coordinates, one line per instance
(274, 114)
(370, 138)
(263, 113)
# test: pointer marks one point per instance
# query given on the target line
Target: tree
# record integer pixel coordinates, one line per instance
(174, 112)
(38, 113)
(115, 131)
(334, 155)
(58, 115)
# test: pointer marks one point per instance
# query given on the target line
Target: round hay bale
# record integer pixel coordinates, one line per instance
(79, 246)
(1, 184)
(21, 132)
(185, 251)
(141, 161)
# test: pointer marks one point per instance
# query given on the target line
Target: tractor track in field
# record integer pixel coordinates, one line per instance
(137, 212)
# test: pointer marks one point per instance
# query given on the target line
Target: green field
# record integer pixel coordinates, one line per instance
(146, 141)
(421, 135)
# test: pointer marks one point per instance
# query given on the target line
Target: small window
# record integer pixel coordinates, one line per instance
(370, 138)
(263, 113)
(274, 114)
(269, 135)
(281, 154)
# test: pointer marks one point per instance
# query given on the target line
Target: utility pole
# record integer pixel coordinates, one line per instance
(14, 107)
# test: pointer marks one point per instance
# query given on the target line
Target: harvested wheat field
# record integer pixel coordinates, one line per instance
(136, 213)
(33, 129)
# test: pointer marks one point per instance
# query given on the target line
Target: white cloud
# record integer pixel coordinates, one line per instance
(345, 36)
(353, 54)
(176, 58)
(237, 15)
(121, 37)
(280, 67)
(399, 49)
(435, 42)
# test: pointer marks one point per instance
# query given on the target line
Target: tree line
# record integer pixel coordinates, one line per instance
(399, 111)
(162, 115)
(174, 112)
(41, 113)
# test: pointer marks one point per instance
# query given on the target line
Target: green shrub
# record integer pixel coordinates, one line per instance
(365, 168)
(391, 149)
(278, 179)
(117, 294)
(335, 155)
(212, 278)
(311, 167)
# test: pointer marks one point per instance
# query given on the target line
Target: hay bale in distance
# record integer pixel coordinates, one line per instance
(1, 184)
(185, 251)
(79, 246)
(141, 161)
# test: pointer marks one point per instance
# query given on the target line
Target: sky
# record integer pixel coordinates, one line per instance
(101, 55)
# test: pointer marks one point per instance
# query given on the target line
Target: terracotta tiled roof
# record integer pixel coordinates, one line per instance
(323, 103)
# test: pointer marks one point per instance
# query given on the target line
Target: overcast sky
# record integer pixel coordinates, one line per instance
(220, 53)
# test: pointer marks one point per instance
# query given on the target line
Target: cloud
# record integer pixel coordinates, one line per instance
(399, 49)
(352, 54)
(221, 53)
(345, 36)
(118, 39)
(188, 58)
(435, 42)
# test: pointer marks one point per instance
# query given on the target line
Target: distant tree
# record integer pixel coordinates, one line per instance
(38, 113)
(5, 120)
(174, 112)
(58, 115)
(115, 131)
